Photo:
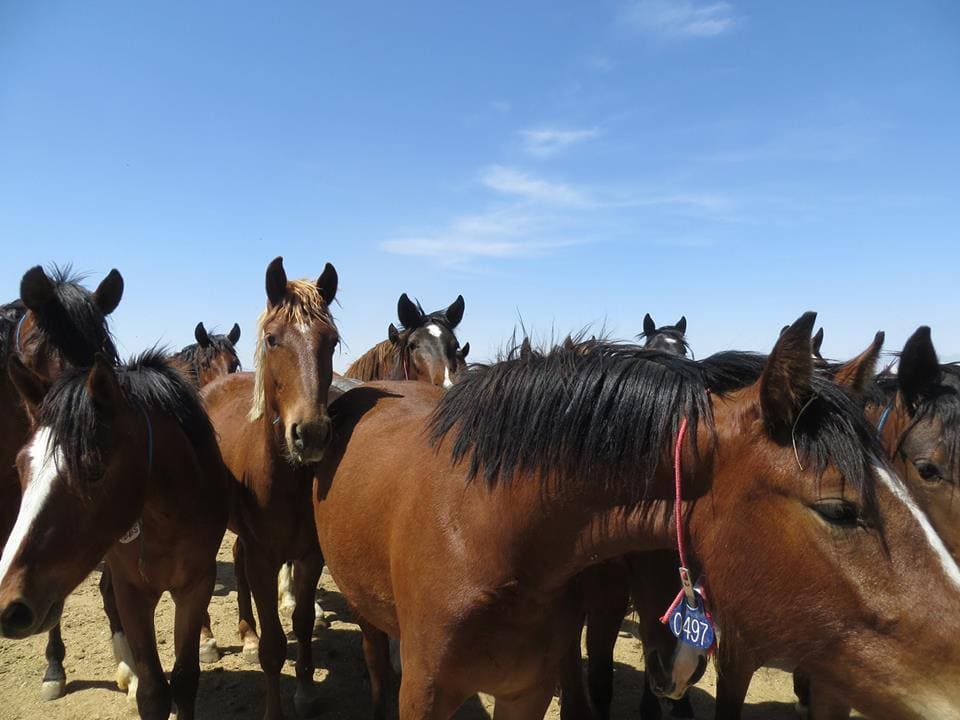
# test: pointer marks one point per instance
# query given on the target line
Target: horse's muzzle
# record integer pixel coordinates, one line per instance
(20, 619)
(309, 440)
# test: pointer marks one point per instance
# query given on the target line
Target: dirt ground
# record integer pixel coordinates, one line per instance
(233, 689)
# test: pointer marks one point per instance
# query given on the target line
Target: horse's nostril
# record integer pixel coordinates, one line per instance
(17, 618)
(296, 435)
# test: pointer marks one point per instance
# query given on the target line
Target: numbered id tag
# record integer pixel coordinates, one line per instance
(691, 624)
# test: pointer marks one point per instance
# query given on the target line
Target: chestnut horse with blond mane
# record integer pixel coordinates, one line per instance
(464, 547)
(273, 425)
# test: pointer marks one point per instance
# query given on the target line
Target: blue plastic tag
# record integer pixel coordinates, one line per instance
(692, 626)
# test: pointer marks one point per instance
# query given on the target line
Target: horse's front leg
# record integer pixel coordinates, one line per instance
(126, 676)
(55, 678)
(306, 576)
(247, 626)
(136, 609)
(190, 615)
(261, 572)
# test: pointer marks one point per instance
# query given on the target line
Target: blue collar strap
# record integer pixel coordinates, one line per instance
(884, 416)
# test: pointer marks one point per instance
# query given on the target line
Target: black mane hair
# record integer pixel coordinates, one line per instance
(76, 328)
(10, 315)
(147, 381)
(608, 412)
(194, 355)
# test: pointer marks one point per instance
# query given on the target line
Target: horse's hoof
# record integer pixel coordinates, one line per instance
(209, 652)
(132, 690)
(306, 703)
(251, 653)
(125, 676)
(53, 689)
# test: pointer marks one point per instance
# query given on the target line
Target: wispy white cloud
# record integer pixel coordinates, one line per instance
(501, 234)
(546, 141)
(517, 183)
(679, 18)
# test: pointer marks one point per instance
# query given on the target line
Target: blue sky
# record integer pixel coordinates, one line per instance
(564, 162)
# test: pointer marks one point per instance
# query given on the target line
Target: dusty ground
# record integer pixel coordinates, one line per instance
(233, 689)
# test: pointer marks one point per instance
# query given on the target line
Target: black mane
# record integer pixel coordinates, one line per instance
(75, 327)
(147, 381)
(607, 412)
(941, 402)
(194, 355)
(437, 317)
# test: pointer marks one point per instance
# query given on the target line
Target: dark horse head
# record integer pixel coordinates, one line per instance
(666, 338)
(64, 323)
(210, 357)
(426, 345)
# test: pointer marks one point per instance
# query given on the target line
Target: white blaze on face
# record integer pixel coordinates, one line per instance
(434, 330)
(447, 382)
(899, 490)
(44, 461)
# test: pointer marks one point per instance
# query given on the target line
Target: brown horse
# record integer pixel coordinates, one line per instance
(122, 462)
(425, 348)
(210, 357)
(917, 412)
(272, 425)
(57, 323)
(465, 550)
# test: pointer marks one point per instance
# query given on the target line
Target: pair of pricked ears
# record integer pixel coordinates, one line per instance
(203, 338)
(276, 283)
(411, 314)
(650, 327)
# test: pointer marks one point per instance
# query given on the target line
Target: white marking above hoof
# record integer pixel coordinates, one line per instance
(53, 689)
(209, 652)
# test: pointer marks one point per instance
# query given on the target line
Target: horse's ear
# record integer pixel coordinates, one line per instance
(919, 369)
(276, 282)
(37, 290)
(393, 334)
(856, 375)
(465, 350)
(408, 312)
(785, 382)
(109, 291)
(201, 336)
(31, 386)
(817, 342)
(783, 330)
(682, 325)
(234, 335)
(327, 283)
(104, 388)
(649, 326)
(454, 313)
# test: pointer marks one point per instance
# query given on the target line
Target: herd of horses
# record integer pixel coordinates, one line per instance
(476, 518)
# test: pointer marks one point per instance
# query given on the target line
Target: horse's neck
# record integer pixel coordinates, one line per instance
(551, 537)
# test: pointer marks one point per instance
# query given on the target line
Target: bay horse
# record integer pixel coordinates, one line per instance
(668, 338)
(425, 347)
(123, 463)
(210, 357)
(917, 413)
(273, 425)
(464, 546)
(57, 323)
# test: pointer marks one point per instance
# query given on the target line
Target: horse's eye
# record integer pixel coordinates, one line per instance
(838, 512)
(928, 470)
(411, 347)
(271, 340)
